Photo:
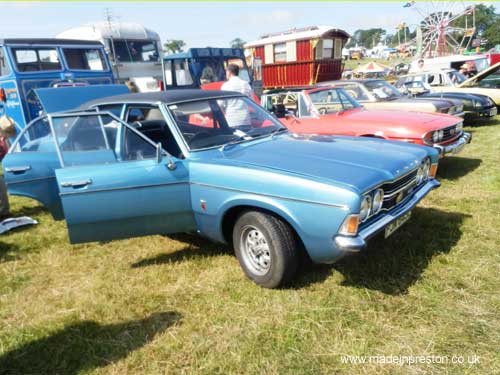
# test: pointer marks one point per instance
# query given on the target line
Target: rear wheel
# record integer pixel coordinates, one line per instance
(266, 248)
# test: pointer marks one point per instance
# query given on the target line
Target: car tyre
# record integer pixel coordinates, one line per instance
(266, 248)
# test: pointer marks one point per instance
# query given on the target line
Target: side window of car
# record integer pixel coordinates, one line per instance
(137, 148)
(36, 138)
(149, 121)
(140, 113)
(115, 109)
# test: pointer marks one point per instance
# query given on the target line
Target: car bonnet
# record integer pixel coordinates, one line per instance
(359, 163)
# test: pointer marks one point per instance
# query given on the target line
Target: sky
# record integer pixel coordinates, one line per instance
(210, 23)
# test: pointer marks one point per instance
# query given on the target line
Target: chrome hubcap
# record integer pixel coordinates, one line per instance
(255, 250)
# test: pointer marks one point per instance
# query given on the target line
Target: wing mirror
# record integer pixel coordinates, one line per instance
(159, 157)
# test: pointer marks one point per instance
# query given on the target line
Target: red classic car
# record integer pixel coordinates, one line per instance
(299, 110)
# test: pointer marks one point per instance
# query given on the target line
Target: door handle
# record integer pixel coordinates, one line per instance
(19, 169)
(76, 184)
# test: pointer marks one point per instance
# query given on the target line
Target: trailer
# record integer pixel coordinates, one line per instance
(299, 57)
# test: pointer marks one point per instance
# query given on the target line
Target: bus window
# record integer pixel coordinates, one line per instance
(36, 59)
(84, 59)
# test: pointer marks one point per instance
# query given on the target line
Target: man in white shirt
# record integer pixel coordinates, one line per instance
(236, 110)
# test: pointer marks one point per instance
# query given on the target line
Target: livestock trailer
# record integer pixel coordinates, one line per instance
(299, 57)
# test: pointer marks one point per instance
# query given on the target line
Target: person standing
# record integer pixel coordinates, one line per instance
(235, 83)
(236, 110)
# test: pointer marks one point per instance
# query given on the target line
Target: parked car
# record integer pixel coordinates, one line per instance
(217, 164)
(476, 106)
(486, 82)
(477, 62)
(29, 64)
(330, 110)
(380, 94)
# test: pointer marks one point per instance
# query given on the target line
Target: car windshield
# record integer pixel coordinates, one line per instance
(218, 122)
(135, 50)
(325, 101)
(491, 80)
(382, 89)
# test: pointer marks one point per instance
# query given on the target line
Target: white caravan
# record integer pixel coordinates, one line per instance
(134, 51)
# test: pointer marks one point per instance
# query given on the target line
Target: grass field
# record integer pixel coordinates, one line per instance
(183, 306)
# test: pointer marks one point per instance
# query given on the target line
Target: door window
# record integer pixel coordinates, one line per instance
(36, 138)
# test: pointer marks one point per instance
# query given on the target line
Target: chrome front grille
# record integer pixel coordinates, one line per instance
(396, 191)
(450, 133)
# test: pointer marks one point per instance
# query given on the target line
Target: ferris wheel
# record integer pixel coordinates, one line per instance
(446, 28)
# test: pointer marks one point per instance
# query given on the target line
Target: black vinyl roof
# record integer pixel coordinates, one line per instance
(48, 41)
(167, 97)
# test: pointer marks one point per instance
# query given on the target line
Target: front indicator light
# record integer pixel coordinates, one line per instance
(433, 171)
(350, 225)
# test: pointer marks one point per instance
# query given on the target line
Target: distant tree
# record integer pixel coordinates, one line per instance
(367, 38)
(237, 43)
(174, 46)
(487, 24)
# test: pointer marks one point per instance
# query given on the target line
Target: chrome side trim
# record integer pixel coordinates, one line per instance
(104, 190)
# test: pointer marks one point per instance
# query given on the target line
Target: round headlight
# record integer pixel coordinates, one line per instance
(441, 134)
(420, 174)
(366, 204)
(378, 201)
(460, 127)
(426, 169)
(435, 136)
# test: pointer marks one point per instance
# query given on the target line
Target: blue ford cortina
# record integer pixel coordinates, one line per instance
(218, 164)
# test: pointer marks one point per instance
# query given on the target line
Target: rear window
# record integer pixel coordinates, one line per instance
(85, 59)
(36, 59)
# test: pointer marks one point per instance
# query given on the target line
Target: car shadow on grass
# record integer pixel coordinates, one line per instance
(453, 167)
(393, 265)
(83, 346)
(197, 247)
(7, 251)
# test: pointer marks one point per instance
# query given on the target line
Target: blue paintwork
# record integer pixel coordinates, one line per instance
(74, 97)
(22, 104)
(312, 182)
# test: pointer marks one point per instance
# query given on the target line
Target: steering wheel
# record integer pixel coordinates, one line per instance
(199, 136)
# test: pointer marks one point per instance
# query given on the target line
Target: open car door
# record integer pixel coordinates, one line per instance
(116, 183)
(30, 164)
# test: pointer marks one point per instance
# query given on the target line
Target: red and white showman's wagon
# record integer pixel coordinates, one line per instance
(299, 57)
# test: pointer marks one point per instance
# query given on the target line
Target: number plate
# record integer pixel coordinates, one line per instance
(493, 111)
(392, 227)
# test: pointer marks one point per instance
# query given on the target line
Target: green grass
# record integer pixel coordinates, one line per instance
(182, 305)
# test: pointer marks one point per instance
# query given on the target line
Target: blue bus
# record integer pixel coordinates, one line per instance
(30, 64)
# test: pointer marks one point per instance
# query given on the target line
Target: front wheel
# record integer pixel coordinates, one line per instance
(266, 248)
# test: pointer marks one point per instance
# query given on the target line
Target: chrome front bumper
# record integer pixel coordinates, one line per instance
(357, 243)
(455, 147)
